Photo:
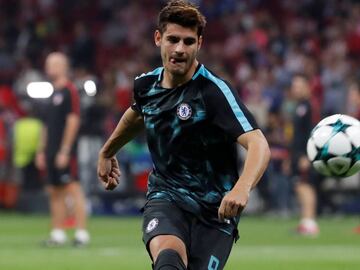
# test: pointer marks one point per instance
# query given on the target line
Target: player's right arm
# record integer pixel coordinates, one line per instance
(130, 124)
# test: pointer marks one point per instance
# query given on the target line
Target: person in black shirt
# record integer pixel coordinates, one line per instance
(193, 120)
(57, 153)
(302, 172)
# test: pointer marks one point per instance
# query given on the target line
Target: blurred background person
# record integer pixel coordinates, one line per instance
(58, 152)
(278, 173)
(10, 111)
(301, 170)
(353, 105)
(26, 140)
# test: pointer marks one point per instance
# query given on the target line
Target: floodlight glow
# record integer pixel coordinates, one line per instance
(39, 89)
(90, 88)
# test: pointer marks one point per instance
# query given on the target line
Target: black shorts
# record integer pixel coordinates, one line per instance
(60, 177)
(310, 176)
(207, 247)
(30, 175)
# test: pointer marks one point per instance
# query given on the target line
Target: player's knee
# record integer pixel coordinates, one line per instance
(169, 259)
(55, 193)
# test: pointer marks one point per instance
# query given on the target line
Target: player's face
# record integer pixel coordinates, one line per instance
(179, 46)
(299, 88)
(55, 66)
(354, 94)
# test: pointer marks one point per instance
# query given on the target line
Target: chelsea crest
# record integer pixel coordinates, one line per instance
(184, 111)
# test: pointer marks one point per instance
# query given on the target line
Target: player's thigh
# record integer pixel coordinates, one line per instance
(56, 192)
(210, 248)
(74, 188)
(165, 226)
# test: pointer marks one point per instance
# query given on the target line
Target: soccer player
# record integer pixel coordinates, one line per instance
(300, 165)
(193, 120)
(58, 151)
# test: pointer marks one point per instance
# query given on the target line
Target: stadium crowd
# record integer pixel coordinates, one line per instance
(258, 45)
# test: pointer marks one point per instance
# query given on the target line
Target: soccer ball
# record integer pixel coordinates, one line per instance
(334, 146)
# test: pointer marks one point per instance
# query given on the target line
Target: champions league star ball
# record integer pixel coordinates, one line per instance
(334, 146)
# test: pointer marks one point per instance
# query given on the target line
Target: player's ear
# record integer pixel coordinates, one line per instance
(157, 38)
(200, 42)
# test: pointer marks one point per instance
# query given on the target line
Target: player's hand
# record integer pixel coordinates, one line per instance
(62, 160)
(234, 202)
(108, 172)
(40, 161)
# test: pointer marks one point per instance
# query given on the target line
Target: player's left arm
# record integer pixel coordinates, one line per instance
(71, 128)
(72, 125)
(257, 159)
(227, 113)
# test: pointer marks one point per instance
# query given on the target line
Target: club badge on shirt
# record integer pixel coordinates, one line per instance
(301, 110)
(57, 99)
(184, 111)
(152, 225)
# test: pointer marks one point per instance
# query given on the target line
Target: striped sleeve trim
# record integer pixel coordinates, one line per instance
(239, 114)
(155, 72)
(75, 99)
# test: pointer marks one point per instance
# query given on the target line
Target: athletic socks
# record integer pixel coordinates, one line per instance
(169, 259)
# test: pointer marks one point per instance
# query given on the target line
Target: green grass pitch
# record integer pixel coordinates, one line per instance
(265, 243)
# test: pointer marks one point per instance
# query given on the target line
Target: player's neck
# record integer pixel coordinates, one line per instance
(171, 81)
(60, 83)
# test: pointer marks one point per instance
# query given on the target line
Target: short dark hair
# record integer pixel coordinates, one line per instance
(182, 13)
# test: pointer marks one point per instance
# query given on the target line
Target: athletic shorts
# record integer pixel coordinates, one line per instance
(60, 177)
(310, 176)
(207, 247)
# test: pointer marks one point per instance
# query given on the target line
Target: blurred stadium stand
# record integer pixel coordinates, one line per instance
(255, 44)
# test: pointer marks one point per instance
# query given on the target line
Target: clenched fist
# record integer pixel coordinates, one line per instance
(108, 172)
(234, 202)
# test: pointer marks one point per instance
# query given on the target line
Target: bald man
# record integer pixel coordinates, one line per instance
(57, 153)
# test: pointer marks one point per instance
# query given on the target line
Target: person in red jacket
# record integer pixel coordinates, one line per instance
(10, 110)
